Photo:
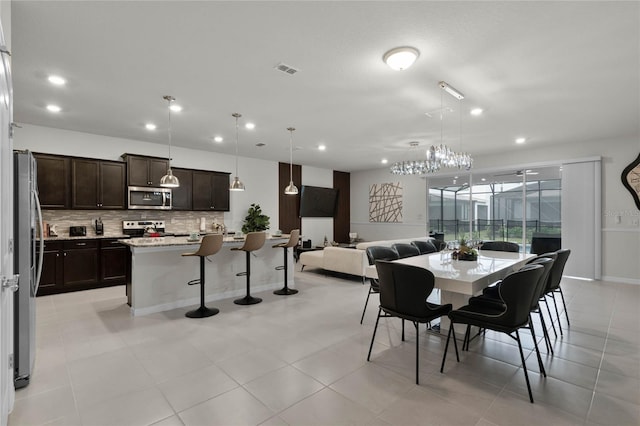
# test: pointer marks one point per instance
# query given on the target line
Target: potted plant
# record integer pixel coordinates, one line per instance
(465, 252)
(255, 221)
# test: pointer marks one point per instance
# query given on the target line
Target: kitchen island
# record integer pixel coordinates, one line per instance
(159, 272)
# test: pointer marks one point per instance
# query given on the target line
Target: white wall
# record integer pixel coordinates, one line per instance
(620, 241)
(259, 176)
(316, 228)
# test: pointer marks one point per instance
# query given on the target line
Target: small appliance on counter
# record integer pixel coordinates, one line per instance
(77, 231)
(99, 227)
(144, 228)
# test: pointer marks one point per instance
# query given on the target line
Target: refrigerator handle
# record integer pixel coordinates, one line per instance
(41, 251)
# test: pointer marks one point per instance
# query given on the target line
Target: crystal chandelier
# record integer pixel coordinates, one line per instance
(437, 156)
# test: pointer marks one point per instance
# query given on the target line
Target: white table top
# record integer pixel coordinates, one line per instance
(466, 277)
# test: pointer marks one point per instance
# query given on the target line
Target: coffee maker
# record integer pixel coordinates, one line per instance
(99, 227)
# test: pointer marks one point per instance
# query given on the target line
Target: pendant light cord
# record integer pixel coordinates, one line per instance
(169, 99)
(236, 115)
(291, 129)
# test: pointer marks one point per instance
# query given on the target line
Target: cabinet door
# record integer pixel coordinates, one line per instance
(112, 185)
(157, 169)
(220, 193)
(138, 171)
(81, 265)
(52, 269)
(113, 262)
(202, 190)
(181, 196)
(84, 184)
(53, 181)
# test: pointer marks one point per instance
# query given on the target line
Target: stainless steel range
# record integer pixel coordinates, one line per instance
(144, 228)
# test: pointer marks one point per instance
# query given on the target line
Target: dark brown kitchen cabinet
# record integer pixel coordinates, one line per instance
(181, 197)
(53, 181)
(113, 262)
(145, 171)
(97, 184)
(52, 268)
(210, 191)
(80, 259)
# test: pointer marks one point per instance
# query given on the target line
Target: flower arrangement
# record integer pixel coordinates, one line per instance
(465, 252)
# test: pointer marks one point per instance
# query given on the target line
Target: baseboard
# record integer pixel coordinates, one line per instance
(635, 281)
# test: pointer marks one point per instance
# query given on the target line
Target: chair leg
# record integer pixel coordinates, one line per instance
(446, 346)
(374, 333)
(365, 305)
(248, 299)
(553, 296)
(285, 291)
(545, 332)
(524, 366)
(535, 343)
(546, 302)
(403, 330)
(415, 324)
(202, 311)
(564, 305)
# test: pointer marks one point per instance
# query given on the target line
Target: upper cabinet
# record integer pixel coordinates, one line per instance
(53, 181)
(210, 191)
(97, 184)
(181, 196)
(145, 171)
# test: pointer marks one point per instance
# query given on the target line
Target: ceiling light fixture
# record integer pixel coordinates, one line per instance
(520, 140)
(53, 108)
(476, 111)
(150, 126)
(236, 185)
(401, 58)
(291, 189)
(437, 156)
(169, 180)
(175, 108)
(322, 147)
(384, 161)
(250, 126)
(57, 80)
(218, 139)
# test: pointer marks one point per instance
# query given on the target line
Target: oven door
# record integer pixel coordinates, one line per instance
(140, 197)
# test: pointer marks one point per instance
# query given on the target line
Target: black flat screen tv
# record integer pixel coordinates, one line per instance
(316, 201)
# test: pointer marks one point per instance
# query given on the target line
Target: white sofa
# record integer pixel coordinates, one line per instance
(351, 261)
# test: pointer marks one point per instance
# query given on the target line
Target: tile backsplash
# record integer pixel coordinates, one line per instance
(175, 221)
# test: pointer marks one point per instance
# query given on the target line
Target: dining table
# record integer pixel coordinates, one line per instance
(457, 280)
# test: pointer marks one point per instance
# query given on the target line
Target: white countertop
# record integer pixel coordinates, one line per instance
(182, 241)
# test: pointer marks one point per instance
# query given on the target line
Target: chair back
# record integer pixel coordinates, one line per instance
(406, 250)
(294, 235)
(380, 252)
(517, 291)
(425, 247)
(210, 245)
(558, 269)
(547, 264)
(501, 246)
(253, 241)
(404, 288)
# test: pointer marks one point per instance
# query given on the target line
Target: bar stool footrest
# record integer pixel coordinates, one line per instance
(241, 274)
(194, 282)
(280, 268)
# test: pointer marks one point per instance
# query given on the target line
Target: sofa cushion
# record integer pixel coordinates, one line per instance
(312, 258)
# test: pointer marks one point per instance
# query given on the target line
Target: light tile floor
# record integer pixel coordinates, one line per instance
(301, 360)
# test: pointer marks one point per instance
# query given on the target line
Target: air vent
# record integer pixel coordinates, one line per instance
(260, 144)
(286, 69)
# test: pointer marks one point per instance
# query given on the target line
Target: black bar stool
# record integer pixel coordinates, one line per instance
(210, 245)
(293, 241)
(253, 241)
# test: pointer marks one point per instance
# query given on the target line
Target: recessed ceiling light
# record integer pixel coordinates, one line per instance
(476, 111)
(250, 126)
(175, 108)
(384, 161)
(57, 80)
(54, 108)
(218, 139)
(483, 179)
(322, 147)
(401, 58)
(150, 126)
(520, 140)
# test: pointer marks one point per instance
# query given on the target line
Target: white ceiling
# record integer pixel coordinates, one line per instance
(553, 72)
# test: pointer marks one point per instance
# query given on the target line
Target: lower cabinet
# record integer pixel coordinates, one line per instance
(82, 264)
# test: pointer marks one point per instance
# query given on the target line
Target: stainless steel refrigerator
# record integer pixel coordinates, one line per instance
(28, 232)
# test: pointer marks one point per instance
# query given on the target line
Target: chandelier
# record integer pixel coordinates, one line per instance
(436, 156)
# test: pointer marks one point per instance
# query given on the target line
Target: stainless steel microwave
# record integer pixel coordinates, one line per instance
(141, 197)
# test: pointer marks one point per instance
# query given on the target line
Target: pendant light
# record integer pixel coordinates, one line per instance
(291, 189)
(169, 180)
(236, 185)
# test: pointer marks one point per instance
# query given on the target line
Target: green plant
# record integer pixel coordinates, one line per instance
(255, 221)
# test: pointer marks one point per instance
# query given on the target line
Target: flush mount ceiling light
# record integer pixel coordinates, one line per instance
(401, 58)
(521, 140)
(150, 126)
(476, 111)
(57, 80)
(53, 108)
(218, 139)
(291, 189)
(169, 180)
(250, 126)
(322, 147)
(236, 185)
(175, 108)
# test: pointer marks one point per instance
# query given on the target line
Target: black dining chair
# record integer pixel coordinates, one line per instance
(425, 247)
(500, 246)
(374, 253)
(516, 291)
(404, 290)
(405, 250)
(555, 277)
